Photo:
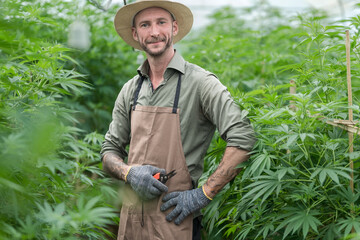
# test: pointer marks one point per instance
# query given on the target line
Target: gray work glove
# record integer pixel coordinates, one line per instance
(185, 203)
(144, 184)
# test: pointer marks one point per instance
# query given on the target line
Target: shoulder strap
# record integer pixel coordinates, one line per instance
(137, 91)
(177, 95)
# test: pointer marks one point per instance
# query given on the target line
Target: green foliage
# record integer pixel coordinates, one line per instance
(243, 53)
(51, 186)
(56, 102)
(106, 65)
(296, 184)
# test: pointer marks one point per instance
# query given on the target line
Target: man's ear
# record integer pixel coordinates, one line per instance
(134, 33)
(175, 28)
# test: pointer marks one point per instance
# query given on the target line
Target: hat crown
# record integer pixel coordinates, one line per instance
(124, 18)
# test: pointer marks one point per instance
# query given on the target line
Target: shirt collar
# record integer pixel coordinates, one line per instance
(177, 63)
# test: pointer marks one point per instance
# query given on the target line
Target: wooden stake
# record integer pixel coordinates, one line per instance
(348, 127)
(350, 134)
(348, 77)
(292, 92)
(292, 105)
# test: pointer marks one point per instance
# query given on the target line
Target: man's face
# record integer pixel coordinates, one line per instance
(154, 29)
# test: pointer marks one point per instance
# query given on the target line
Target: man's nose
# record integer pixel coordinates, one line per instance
(154, 30)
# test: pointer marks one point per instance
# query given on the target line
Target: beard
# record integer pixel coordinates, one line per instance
(156, 52)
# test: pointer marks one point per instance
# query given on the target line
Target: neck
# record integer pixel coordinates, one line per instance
(158, 65)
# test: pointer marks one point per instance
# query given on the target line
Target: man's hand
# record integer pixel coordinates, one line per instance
(143, 183)
(185, 203)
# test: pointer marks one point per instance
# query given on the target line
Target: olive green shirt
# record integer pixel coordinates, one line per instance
(205, 104)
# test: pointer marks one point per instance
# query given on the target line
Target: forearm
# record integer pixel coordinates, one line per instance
(115, 166)
(226, 170)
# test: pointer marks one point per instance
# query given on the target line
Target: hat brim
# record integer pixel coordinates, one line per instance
(124, 17)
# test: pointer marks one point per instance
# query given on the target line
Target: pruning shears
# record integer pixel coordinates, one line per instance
(164, 177)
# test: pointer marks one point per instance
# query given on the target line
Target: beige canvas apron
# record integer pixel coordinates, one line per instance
(156, 141)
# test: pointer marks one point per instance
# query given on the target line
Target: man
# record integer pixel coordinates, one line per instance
(168, 114)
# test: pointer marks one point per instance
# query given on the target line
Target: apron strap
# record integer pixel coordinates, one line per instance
(137, 91)
(177, 94)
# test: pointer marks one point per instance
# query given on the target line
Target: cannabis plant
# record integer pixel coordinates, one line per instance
(297, 183)
(50, 184)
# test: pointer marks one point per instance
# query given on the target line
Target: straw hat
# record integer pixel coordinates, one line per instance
(124, 18)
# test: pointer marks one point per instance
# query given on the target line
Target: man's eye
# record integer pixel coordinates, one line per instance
(144, 25)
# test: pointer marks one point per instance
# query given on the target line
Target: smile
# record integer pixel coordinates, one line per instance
(155, 41)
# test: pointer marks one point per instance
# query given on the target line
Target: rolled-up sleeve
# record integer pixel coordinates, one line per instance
(118, 136)
(220, 108)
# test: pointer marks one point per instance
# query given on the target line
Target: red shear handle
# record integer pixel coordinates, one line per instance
(157, 176)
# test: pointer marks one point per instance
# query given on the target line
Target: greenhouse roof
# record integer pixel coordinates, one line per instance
(202, 8)
(335, 8)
